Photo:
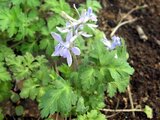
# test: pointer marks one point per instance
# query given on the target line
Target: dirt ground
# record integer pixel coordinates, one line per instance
(144, 55)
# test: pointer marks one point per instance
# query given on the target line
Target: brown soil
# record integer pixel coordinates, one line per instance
(144, 55)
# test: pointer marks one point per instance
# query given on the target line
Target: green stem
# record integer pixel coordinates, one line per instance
(75, 62)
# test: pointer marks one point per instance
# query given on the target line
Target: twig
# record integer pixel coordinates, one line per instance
(130, 99)
(122, 110)
(131, 11)
(14, 45)
(113, 115)
(141, 33)
(121, 24)
(70, 117)
(57, 115)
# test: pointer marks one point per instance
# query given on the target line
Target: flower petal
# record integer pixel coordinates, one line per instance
(69, 36)
(89, 11)
(86, 35)
(116, 40)
(106, 42)
(76, 50)
(57, 50)
(69, 58)
(57, 37)
(62, 30)
(92, 26)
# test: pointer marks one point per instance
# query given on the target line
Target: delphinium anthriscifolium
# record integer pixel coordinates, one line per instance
(101, 66)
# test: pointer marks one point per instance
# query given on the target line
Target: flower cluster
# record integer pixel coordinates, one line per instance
(74, 28)
(116, 41)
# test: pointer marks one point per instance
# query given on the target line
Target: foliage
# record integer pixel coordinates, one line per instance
(1, 115)
(91, 3)
(27, 70)
(92, 115)
(19, 110)
(148, 111)
(28, 23)
(60, 99)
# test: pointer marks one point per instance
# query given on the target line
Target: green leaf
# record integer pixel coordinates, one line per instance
(80, 107)
(4, 74)
(43, 75)
(87, 77)
(33, 3)
(15, 97)
(120, 85)
(148, 111)
(5, 51)
(54, 21)
(94, 4)
(29, 47)
(30, 89)
(23, 67)
(57, 99)
(65, 70)
(92, 115)
(5, 88)
(48, 45)
(19, 110)
(16, 2)
(57, 6)
(111, 89)
(10, 19)
(30, 3)
(1, 115)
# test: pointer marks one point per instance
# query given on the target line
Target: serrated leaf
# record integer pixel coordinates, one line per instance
(119, 69)
(111, 89)
(14, 97)
(87, 77)
(1, 115)
(30, 89)
(33, 3)
(92, 115)
(149, 112)
(9, 20)
(30, 3)
(4, 74)
(122, 84)
(57, 99)
(5, 88)
(23, 67)
(57, 6)
(65, 69)
(96, 6)
(48, 45)
(19, 110)
(43, 75)
(29, 47)
(80, 107)
(54, 21)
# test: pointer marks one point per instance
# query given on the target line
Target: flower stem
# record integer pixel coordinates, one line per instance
(75, 62)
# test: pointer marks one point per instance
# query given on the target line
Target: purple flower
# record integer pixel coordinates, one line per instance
(78, 25)
(88, 15)
(64, 49)
(116, 41)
